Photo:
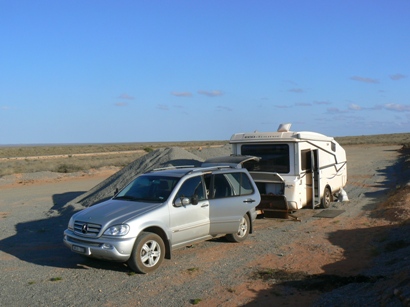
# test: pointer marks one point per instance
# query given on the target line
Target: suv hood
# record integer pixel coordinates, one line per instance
(113, 212)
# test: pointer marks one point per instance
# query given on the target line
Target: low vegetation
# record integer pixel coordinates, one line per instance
(73, 158)
(385, 139)
(79, 157)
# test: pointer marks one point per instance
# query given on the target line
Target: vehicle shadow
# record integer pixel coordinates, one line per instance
(378, 184)
(41, 241)
(374, 259)
(374, 265)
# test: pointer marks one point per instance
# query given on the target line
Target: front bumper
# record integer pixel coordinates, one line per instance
(107, 248)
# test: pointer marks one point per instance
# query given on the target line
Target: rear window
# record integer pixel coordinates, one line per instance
(274, 157)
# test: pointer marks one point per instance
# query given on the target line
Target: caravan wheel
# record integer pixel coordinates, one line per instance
(327, 198)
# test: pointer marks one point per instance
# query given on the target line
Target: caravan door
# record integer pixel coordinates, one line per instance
(310, 178)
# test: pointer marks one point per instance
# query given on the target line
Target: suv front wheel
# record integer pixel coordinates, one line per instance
(243, 231)
(147, 254)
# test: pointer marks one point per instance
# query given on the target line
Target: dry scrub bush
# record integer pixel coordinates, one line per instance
(65, 165)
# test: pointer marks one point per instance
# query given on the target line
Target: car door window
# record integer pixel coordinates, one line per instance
(231, 184)
(240, 183)
(192, 187)
(221, 187)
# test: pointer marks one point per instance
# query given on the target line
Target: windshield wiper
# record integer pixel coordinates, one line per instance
(128, 197)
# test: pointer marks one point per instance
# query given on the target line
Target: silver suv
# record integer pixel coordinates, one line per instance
(163, 210)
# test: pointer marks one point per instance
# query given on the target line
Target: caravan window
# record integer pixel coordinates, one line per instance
(274, 157)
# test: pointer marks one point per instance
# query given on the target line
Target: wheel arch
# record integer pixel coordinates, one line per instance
(323, 203)
(250, 222)
(327, 186)
(160, 232)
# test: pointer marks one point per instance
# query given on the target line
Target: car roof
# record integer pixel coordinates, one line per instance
(180, 171)
(172, 171)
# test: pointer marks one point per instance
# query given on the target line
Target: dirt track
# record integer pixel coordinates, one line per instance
(73, 155)
(38, 270)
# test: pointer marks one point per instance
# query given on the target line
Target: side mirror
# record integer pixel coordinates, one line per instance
(194, 199)
(116, 191)
(182, 201)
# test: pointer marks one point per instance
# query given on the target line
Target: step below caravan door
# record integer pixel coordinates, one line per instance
(272, 189)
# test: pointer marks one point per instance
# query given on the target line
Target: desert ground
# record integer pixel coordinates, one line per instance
(357, 258)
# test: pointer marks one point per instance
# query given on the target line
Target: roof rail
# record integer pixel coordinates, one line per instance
(195, 168)
(171, 167)
(211, 168)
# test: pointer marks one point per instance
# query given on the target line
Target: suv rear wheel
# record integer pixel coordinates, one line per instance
(147, 254)
(243, 231)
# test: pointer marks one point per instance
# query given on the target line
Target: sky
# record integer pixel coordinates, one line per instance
(100, 71)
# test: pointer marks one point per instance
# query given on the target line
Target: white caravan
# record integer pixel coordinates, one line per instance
(296, 169)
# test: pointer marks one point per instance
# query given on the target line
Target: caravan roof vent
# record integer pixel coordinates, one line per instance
(284, 127)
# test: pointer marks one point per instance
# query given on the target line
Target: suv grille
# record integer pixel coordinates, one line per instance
(88, 229)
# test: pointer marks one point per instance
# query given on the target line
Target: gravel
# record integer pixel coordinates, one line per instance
(38, 270)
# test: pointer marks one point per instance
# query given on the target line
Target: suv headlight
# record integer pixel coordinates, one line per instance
(71, 224)
(117, 230)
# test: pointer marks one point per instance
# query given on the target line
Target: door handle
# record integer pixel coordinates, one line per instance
(204, 205)
(249, 201)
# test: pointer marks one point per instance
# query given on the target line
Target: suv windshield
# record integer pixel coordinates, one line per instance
(152, 188)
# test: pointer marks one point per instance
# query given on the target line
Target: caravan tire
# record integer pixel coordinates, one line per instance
(327, 198)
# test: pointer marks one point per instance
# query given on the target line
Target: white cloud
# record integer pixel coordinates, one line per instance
(364, 79)
(296, 90)
(303, 104)
(376, 107)
(397, 107)
(290, 82)
(335, 111)
(321, 102)
(5, 108)
(355, 107)
(162, 107)
(222, 108)
(126, 96)
(211, 93)
(396, 77)
(121, 104)
(181, 94)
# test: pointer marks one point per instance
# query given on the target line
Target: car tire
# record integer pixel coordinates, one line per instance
(147, 254)
(243, 231)
(327, 198)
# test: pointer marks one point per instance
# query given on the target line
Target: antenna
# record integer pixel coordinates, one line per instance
(284, 127)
